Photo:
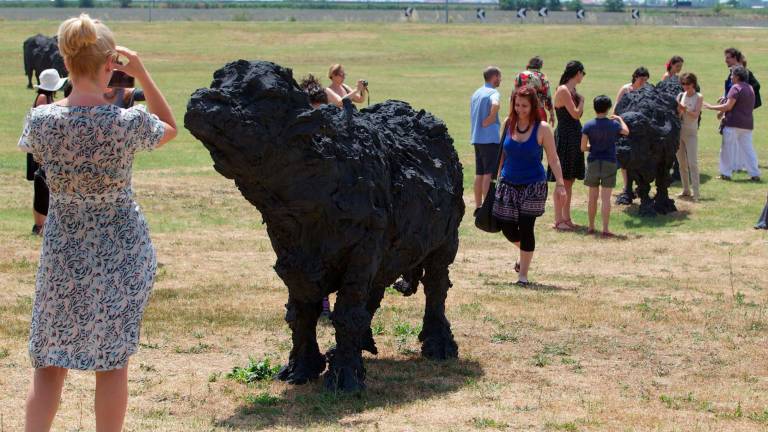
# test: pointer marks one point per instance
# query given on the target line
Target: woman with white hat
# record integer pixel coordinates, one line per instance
(50, 83)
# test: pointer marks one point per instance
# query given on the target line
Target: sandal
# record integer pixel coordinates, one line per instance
(590, 231)
(521, 283)
(571, 224)
(563, 226)
(607, 235)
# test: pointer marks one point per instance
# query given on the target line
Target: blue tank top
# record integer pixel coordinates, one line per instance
(522, 161)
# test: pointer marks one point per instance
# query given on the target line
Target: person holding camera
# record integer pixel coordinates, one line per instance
(338, 91)
(97, 262)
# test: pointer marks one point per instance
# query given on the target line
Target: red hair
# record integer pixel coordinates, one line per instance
(529, 93)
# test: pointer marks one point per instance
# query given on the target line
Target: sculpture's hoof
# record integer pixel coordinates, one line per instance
(405, 288)
(345, 374)
(345, 379)
(665, 206)
(647, 210)
(302, 370)
(439, 346)
(625, 198)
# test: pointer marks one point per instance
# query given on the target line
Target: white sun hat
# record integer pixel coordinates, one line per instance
(50, 80)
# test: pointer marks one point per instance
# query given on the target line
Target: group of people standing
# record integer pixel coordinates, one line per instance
(528, 132)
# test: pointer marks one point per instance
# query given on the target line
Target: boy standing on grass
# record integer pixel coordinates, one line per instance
(599, 137)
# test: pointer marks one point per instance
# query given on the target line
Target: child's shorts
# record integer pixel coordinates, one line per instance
(601, 173)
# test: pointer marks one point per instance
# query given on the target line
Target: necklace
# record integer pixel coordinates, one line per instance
(521, 132)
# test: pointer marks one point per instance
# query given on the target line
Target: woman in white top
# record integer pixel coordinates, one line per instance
(689, 106)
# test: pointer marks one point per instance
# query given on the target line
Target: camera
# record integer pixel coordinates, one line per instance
(121, 79)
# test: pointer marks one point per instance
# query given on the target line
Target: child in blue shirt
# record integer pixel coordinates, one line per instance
(599, 137)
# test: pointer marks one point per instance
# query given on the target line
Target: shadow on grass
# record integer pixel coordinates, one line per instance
(390, 383)
(634, 219)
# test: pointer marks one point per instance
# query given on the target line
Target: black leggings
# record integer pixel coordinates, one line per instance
(521, 231)
(40, 200)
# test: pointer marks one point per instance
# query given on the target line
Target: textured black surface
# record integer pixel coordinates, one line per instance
(41, 53)
(654, 136)
(352, 200)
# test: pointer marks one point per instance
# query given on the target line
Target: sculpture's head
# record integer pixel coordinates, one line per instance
(245, 114)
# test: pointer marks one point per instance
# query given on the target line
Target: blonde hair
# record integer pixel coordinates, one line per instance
(334, 70)
(85, 44)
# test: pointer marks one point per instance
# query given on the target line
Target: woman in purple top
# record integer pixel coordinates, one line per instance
(738, 125)
(522, 191)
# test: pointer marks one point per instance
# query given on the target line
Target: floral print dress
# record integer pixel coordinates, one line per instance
(97, 262)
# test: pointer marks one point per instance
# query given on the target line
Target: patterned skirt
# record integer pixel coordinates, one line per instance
(515, 200)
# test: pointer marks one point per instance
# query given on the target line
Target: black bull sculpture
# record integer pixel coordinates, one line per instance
(41, 53)
(654, 136)
(352, 200)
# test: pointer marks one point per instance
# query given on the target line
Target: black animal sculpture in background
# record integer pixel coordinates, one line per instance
(41, 53)
(654, 136)
(351, 199)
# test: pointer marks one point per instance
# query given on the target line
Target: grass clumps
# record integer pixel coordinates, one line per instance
(255, 371)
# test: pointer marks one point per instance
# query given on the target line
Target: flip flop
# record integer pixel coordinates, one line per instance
(607, 235)
(590, 231)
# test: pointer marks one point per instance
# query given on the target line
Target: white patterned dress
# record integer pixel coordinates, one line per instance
(97, 263)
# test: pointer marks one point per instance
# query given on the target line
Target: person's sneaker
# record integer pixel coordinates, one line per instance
(755, 179)
(724, 177)
(37, 230)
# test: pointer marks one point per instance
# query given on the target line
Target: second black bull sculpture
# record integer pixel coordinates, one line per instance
(654, 136)
(41, 53)
(352, 201)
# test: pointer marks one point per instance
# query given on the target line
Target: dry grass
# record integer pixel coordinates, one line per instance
(655, 332)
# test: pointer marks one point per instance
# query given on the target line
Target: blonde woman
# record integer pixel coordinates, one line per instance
(97, 262)
(338, 91)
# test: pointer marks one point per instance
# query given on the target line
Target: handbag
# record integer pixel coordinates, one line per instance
(484, 218)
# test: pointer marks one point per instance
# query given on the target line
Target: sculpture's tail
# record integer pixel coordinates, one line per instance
(409, 283)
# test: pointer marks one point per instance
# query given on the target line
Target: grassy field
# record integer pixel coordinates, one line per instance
(663, 330)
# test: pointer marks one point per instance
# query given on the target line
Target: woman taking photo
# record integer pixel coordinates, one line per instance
(522, 190)
(50, 83)
(338, 91)
(87, 313)
(569, 107)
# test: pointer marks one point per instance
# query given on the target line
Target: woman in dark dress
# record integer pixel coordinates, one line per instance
(569, 107)
(50, 83)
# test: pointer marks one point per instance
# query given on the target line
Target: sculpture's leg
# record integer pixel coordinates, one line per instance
(646, 203)
(374, 302)
(662, 203)
(627, 195)
(436, 338)
(305, 361)
(352, 321)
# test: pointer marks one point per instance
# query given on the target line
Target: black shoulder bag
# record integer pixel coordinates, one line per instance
(484, 218)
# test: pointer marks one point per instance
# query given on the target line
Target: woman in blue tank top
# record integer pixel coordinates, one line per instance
(522, 191)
